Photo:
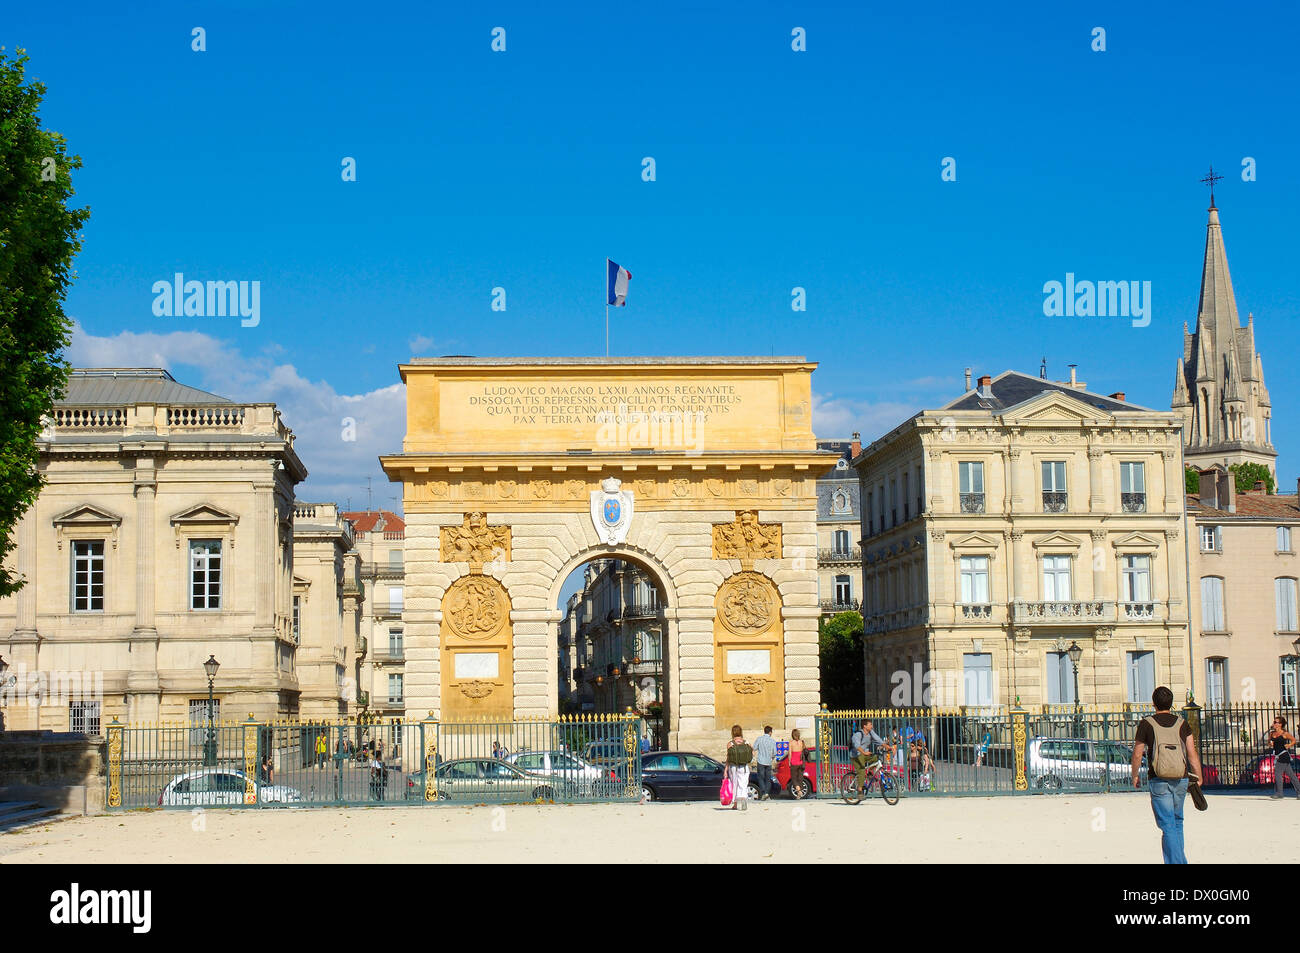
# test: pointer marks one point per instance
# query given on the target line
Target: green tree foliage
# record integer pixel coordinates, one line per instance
(1192, 480)
(840, 648)
(39, 236)
(1245, 475)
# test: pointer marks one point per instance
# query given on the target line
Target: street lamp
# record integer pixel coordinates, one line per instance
(210, 745)
(1075, 653)
(5, 683)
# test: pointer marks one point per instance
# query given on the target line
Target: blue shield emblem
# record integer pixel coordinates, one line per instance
(613, 510)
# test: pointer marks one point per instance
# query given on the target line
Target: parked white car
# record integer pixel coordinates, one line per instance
(216, 787)
(1054, 763)
(561, 765)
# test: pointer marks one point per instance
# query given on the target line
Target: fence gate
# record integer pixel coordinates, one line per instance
(1073, 749)
(255, 764)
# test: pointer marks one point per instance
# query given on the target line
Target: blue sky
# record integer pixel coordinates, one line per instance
(775, 169)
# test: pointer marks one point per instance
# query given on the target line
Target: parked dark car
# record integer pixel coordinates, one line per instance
(680, 776)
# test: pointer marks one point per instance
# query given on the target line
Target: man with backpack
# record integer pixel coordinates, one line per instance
(1172, 757)
(863, 748)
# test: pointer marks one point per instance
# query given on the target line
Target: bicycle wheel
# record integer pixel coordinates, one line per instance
(890, 787)
(849, 788)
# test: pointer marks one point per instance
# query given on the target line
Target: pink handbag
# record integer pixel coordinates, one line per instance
(725, 794)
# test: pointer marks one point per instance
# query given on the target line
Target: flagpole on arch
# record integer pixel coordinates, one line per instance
(607, 306)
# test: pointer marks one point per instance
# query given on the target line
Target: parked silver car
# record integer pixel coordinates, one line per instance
(1054, 763)
(492, 779)
(562, 766)
(215, 787)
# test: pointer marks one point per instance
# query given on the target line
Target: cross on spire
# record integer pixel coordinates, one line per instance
(1210, 180)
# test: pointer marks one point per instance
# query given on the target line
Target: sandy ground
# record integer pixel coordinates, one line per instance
(1046, 829)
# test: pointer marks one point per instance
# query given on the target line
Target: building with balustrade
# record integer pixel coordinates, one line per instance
(326, 609)
(163, 535)
(617, 630)
(1019, 520)
(839, 557)
(381, 652)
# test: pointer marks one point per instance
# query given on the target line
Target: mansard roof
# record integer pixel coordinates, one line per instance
(117, 386)
(1011, 388)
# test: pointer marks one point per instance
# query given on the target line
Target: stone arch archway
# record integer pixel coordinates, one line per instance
(508, 473)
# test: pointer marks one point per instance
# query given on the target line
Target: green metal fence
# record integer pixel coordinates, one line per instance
(301, 764)
(1047, 749)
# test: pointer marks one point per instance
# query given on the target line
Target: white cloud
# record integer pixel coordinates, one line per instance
(836, 418)
(314, 410)
(420, 343)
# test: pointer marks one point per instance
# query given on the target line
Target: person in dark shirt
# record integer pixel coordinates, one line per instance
(1168, 788)
(1283, 743)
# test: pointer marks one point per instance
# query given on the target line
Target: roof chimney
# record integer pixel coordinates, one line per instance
(986, 386)
(968, 378)
(1074, 380)
(856, 445)
(1118, 395)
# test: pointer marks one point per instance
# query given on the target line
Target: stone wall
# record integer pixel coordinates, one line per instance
(55, 769)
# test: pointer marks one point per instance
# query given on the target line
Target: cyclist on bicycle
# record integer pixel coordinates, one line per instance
(864, 748)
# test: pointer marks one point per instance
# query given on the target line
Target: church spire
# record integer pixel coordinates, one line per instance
(1216, 313)
(1220, 387)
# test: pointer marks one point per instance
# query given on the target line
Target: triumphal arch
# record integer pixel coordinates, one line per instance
(515, 471)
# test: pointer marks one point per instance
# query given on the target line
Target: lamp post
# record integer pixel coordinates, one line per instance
(6, 681)
(1076, 653)
(210, 744)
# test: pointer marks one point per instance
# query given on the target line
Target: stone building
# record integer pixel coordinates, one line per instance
(327, 599)
(1021, 518)
(163, 535)
(701, 471)
(1244, 572)
(839, 556)
(381, 675)
(1219, 392)
(618, 632)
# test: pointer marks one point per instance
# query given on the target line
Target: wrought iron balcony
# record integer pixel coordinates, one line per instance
(853, 555)
(841, 605)
(972, 502)
(1088, 612)
(383, 569)
(640, 611)
(1133, 502)
(1054, 502)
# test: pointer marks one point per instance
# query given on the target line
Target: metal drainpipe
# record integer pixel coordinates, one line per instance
(1187, 551)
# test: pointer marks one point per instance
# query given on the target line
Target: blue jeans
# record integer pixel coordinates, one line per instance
(1167, 804)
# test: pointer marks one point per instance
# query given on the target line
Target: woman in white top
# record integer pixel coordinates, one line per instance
(738, 773)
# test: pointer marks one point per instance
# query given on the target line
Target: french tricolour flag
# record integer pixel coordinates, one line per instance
(618, 279)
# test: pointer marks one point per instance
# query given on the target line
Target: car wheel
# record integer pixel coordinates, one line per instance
(543, 794)
(647, 793)
(801, 789)
(753, 791)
